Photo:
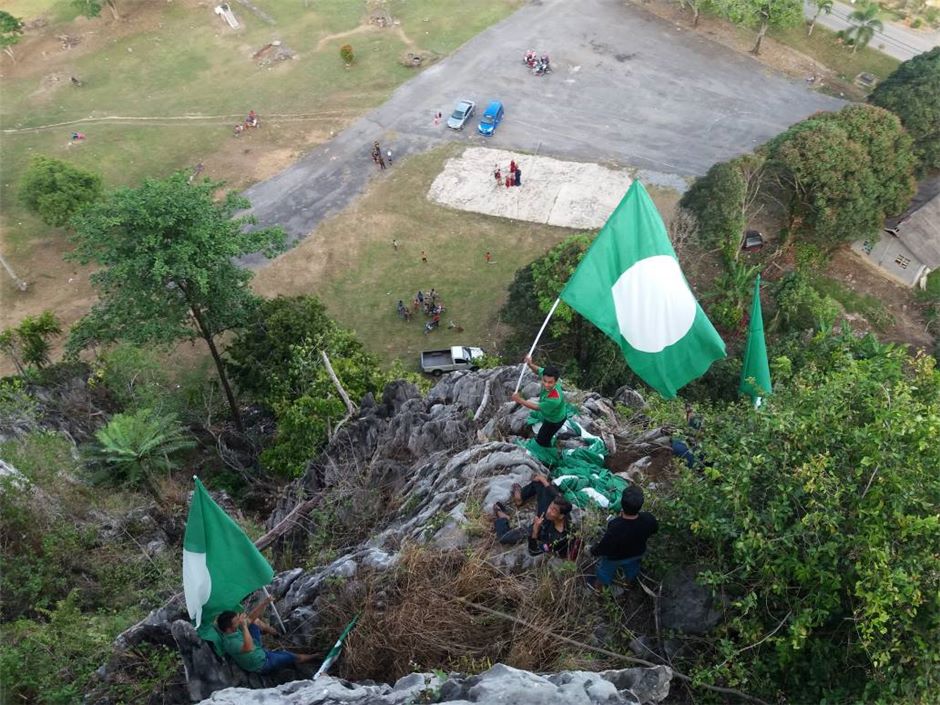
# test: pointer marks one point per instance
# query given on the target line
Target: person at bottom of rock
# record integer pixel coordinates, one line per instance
(548, 532)
(624, 542)
(241, 639)
(551, 404)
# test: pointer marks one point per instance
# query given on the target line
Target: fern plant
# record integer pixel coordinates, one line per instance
(133, 447)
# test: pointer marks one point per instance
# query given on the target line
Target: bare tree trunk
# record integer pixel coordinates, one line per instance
(812, 25)
(350, 407)
(20, 284)
(760, 37)
(220, 367)
(114, 10)
(696, 12)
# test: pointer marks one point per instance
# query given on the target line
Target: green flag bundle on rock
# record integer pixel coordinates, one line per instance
(630, 285)
(220, 563)
(755, 375)
(335, 651)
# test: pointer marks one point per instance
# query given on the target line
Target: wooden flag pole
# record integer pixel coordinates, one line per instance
(536, 341)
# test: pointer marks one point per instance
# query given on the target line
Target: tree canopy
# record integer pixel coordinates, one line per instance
(760, 14)
(843, 172)
(912, 93)
(817, 519)
(11, 30)
(166, 252)
(55, 190)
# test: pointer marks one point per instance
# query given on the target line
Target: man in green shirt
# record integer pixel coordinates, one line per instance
(551, 404)
(241, 639)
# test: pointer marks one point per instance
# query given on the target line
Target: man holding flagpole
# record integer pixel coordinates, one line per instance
(551, 407)
(241, 639)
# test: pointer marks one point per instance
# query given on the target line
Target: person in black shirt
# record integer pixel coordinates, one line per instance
(623, 544)
(548, 532)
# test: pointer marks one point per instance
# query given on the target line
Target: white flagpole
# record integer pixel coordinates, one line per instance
(276, 613)
(536, 341)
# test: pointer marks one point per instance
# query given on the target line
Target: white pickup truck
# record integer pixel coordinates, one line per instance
(458, 357)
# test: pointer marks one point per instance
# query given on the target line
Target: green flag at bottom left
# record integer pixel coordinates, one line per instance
(221, 565)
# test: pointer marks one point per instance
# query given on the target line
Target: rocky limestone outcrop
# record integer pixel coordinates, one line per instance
(432, 454)
(500, 685)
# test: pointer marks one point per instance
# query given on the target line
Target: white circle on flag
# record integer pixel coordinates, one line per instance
(654, 305)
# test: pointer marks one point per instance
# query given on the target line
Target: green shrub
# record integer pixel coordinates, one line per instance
(800, 307)
(133, 447)
(346, 54)
(28, 344)
(56, 191)
(816, 518)
(717, 200)
(135, 378)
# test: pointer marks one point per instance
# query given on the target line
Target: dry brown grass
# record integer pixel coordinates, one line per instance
(421, 616)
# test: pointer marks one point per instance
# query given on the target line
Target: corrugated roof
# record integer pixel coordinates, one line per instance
(920, 233)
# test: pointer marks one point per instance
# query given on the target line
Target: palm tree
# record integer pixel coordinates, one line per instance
(133, 447)
(821, 6)
(866, 24)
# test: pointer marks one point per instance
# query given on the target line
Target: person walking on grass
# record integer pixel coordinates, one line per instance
(241, 639)
(624, 542)
(551, 405)
(424, 259)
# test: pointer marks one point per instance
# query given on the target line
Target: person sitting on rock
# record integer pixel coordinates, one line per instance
(624, 542)
(551, 404)
(241, 639)
(548, 532)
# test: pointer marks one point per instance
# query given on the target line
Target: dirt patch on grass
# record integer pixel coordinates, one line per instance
(905, 315)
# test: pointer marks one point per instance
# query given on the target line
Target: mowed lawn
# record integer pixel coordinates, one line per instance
(166, 61)
(350, 263)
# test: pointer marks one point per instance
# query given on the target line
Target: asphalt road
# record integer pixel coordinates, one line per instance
(894, 39)
(628, 89)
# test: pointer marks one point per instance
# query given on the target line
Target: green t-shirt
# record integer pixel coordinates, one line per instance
(552, 402)
(251, 661)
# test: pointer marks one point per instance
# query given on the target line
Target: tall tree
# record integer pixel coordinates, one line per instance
(695, 7)
(56, 191)
(912, 93)
(843, 172)
(822, 6)
(762, 14)
(865, 24)
(11, 29)
(166, 252)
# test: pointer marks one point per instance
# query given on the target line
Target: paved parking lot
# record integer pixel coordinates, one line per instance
(628, 90)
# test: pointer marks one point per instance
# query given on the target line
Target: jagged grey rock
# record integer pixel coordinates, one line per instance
(500, 685)
(424, 450)
(686, 606)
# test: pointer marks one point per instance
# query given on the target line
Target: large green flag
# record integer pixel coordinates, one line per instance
(630, 285)
(756, 367)
(220, 563)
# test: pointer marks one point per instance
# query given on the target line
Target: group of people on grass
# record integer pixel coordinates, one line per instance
(622, 545)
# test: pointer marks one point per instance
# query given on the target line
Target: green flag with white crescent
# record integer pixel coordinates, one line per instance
(335, 651)
(630, 285)
(221, 565)
(755, 374)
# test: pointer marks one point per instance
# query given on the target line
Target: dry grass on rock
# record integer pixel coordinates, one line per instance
(420, 616)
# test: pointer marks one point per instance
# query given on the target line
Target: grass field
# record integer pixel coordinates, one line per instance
(168, 60)
(349, 262)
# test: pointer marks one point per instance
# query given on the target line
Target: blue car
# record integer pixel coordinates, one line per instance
(491, 118)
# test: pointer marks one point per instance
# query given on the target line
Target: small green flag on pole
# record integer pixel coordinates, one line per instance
(335, 651)
(630, 285)
(755, 375)
(221, 565)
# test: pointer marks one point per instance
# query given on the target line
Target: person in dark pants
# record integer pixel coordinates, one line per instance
(518, 179)
(548, 532)
(624, 542)
(551, 404)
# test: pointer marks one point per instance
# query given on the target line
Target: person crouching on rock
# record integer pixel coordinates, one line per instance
(241, 639)
(551, 404)
(624, 542)
(548, 532)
